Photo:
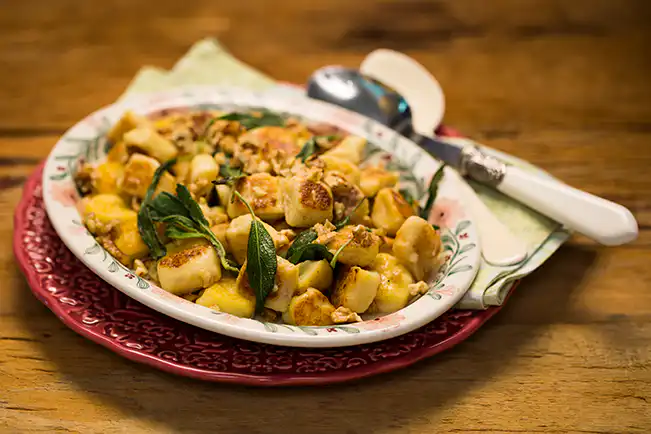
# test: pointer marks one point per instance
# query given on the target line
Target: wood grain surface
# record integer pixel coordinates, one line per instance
(564, 84)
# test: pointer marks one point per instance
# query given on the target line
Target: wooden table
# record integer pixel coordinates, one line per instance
(564, 84)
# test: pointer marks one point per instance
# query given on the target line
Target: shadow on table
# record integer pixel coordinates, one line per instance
(411, 396)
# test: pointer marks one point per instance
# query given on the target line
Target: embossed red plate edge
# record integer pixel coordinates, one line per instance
(289, 379)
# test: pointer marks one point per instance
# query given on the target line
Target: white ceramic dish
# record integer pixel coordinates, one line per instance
(86, 141)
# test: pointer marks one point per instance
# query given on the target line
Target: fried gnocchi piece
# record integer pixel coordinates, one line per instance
(373, 179)
(275, 137)
(314, 274)
(129, 241)
(351, 149)
(106, 177)
(349, 196)
(203, 170)
(139, 173)
(356, 289)
(181, 170)
(311, 308)
(390, 210)
(417, 246)
(147, 140)
(105, 209)
(129, 121)
(262, 192)
(336, 164)
(224, 194)
(237, 235)
(227, 296)
(286, 286)
(189, 265)
(306, 202)
(118, 153)
(361, 251)
(393, 293)
(343, 315)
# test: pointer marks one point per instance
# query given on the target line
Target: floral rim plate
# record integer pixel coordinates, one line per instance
(86, 142)
(101, 313)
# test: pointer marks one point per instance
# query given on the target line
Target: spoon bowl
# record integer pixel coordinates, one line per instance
(351, 89)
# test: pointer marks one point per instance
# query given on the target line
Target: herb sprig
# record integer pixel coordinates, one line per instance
(182, 215)
(308, 149)
(310, 146)
(146, 225)
(248, 120)
(229, 174)
(304, 249)
(432, 191)
(184, 219)
(261, 262)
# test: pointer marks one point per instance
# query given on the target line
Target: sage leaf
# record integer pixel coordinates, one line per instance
(179, 233)
(149, 235)
(167, 204)
(311, 252)
(191, 205)
(407, 195)
(308, 149)
(146, 226)
(302, 240)
(261, 261)
(229, 174)
(432, 191)
(251, 122)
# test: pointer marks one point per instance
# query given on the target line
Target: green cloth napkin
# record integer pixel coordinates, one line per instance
(208, 62)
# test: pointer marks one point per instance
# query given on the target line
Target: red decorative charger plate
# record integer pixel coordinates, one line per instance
(96, 310)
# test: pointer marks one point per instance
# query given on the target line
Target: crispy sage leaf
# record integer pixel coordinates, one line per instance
(302, 240)
(308, 149)
(146, 225)
(311, 252)
(261, 262)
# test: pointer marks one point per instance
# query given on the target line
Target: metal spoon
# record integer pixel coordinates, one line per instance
(348, 88)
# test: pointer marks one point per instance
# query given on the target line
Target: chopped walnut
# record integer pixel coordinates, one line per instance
(107, 242)
(269, 315)
(183, 139)
(343, 315)
(325, 228)
(340, 211)
(84, 178)
(360, 233)
(289, 233)
(418, 288)
(199, 187)
(96, 227)
(140, 269)
(152, 270)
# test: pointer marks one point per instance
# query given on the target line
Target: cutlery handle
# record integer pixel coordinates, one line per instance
(602, 220)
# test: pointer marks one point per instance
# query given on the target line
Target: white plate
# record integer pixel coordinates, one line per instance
(86, 141)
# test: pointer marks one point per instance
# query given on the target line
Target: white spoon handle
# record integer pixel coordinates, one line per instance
(600, 219)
